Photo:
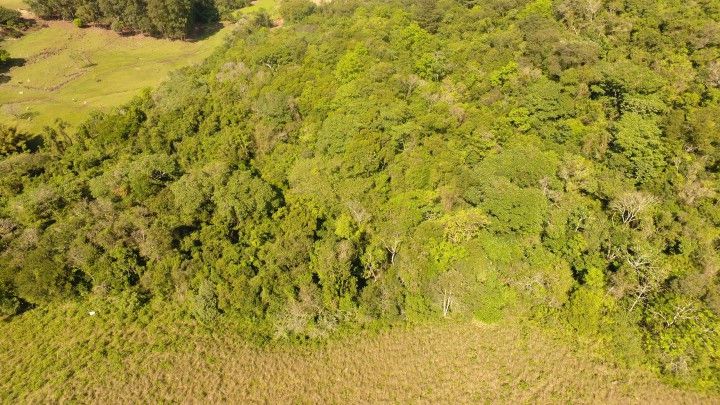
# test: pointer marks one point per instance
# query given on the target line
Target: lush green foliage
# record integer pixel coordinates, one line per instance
(14, 141)
(388, 162)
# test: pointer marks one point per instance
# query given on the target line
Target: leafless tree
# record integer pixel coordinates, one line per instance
(447, 302)
(393, 246)
(681, 312)
(713, 76)
(649, 277)
(359, 213)
(373, 265)
(694, 188)
(631, 204)
(411, 83)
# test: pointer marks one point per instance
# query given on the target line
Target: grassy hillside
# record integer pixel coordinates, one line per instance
(102, 359)
(67, 72)
(269, 6)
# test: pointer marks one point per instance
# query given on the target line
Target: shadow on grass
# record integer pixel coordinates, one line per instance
(22, 307)
(198, 33)
(204, 31)
(9, 64)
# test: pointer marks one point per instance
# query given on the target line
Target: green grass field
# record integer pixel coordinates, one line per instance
(270, 6)
(68, 72)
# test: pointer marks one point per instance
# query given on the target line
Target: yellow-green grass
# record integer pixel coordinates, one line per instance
(13, 4)
(65, 354)
(69, 72)
(269, 6)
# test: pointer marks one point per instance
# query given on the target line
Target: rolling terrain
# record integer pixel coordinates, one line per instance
(367, 201)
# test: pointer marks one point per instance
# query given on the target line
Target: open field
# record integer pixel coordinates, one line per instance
(67, 72)
(112, 359)
(13, 4)
(270, 6)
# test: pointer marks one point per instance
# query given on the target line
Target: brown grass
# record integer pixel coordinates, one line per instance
(110, 361)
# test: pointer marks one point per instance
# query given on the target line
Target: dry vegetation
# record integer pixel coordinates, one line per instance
(92, 359)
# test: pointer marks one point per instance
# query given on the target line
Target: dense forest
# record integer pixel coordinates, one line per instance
(166, 18)
(384, 162)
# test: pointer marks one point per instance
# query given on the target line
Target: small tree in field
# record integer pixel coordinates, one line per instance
(4, 57)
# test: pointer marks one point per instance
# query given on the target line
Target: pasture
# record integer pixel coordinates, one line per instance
(269, 6)
(65, 72)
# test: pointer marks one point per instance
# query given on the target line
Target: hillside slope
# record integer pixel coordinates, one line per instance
(375, 163)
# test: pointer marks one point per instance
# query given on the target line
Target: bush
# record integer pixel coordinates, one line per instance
(4, 57)
(226, 7)
(9, 304)
(12, 140)
(261, 19)
(206, 302)
(10, 18)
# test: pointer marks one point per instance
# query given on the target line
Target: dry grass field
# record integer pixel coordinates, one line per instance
(82, 358)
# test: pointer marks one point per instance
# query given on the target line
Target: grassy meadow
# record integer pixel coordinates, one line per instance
(14, 4)
(67, 72)
(269, 6)
(115, 357)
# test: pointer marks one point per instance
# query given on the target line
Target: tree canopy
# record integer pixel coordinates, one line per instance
(395, 161)
(175, 19)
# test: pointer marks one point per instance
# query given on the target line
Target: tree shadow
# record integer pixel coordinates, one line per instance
(197, 33)
(204, 31)
(22, 307)
(11, 63)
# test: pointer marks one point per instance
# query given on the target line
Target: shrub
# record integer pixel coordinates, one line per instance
(9, 304)
(10, 18)
(11, 139)
(205, 305)
(4, 57)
